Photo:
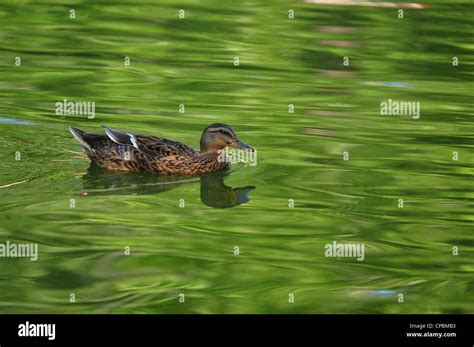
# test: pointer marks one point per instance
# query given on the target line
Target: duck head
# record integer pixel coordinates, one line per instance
(218, 136)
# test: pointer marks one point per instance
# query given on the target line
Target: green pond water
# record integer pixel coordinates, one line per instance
(302, 195)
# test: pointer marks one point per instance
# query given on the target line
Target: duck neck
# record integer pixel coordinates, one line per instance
(214, 157)
(209, 155)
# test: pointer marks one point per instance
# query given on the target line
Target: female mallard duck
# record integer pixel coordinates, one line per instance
(127, 152)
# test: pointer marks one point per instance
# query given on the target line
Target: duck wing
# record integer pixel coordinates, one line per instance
(153, 146)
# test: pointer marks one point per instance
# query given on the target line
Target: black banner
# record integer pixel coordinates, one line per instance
(67, 330)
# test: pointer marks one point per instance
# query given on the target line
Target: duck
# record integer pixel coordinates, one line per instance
(120, 151)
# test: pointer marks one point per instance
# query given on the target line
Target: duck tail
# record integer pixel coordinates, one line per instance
(79, 135)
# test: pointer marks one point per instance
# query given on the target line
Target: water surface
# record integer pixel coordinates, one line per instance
(190, 250)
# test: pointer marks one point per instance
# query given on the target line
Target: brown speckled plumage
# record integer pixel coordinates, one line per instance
(127, 152)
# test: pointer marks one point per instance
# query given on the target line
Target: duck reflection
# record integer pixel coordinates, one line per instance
(214, 192)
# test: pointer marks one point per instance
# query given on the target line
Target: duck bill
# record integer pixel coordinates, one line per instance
(241, 145)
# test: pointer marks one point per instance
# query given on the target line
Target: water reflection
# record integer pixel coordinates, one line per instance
(214, 192)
